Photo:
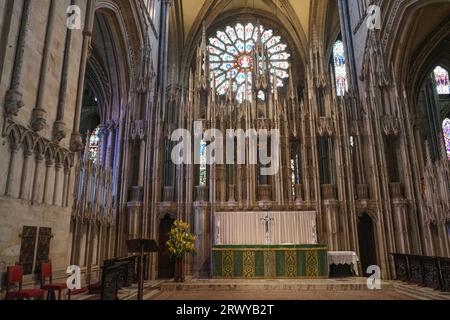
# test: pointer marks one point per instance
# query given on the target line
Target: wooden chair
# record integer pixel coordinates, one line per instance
(50, 287)
(14, 276)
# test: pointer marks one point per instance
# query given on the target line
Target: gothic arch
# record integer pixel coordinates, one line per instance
(28, 143)
(112, 68)
(400, 31)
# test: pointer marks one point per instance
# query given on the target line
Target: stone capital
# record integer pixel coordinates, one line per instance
(76, 142)
(13, 102)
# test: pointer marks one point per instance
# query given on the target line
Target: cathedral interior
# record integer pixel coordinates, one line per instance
(93, 92)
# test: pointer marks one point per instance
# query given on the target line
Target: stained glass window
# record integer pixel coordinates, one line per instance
(293, 178)
(340, 70)
(446, 131)
(231, 56)
(94, 139)
(442, 80)
(202, 170)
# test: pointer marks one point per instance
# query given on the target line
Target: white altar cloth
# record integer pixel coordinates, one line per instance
(250, 228)
(344, 257)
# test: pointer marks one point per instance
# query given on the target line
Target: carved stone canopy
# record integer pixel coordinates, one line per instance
(390, 125)
(326, 127)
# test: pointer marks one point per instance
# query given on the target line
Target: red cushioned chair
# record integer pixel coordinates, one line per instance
(15, 275)
(46, 273)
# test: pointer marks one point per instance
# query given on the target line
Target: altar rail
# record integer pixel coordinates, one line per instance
(432, 272)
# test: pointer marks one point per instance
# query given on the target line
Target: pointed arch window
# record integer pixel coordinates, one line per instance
(231, 56)
(442, 80)
(340, 69)
(94, 148)
(446, 132)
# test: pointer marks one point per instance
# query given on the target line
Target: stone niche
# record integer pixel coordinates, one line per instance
(201, 193)
(329, 192)
(362, 191)
(265, 192)
(396, 190)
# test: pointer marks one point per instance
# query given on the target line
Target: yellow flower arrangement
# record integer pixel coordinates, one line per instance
(181, 241)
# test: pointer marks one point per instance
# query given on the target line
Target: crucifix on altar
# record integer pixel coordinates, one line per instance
(266, 220)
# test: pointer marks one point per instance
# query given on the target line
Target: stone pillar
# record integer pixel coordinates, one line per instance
(76, 142)
(401, 234)
(134, 210)
(24, 188)
(48, 167)
(332, 224)
(141, 162)
(35, 196)
(38, 118)
(66, 187)
(13, 99)
(231, 193)
(203, 242)
(331, 214)
(443, 238)
(109, 147)
(57, 188)
(299, 193)
(11, 171)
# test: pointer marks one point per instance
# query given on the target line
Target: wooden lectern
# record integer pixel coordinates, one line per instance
(141, 247)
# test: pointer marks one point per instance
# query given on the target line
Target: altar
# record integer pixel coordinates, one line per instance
(270, 261)
(267, 245)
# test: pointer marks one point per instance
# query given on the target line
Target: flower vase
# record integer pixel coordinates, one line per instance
(179, 271)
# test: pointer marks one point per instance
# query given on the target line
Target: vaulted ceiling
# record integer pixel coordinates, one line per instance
(192, 10)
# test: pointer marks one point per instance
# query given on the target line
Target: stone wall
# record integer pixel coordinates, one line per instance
(36, 171)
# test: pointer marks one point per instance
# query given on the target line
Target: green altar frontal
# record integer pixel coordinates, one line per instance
(270, 261)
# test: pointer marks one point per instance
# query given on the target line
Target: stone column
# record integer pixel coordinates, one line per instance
(331, 214)
(141, 162)
(57, 188)
(24, 181)
(35, 196)
(59, 126)
(109, 148)
(400, 211)
(48, 167)
(443, 238)
(65, 187)
(38, 118)
(203, 242)
(134, 211)
(13, 99)
(76, 141)
(11, 171)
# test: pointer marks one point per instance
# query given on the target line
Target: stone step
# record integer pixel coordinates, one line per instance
(421, 293)
(350, 284)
